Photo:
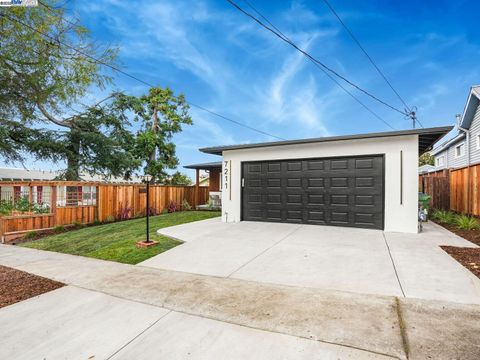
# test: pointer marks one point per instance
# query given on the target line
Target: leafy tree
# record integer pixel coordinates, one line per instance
(161, 114)
(42, 78)
(426, 159)
(177, 178)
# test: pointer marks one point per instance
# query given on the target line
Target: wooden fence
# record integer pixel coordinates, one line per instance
(105, 202)
(456, 190)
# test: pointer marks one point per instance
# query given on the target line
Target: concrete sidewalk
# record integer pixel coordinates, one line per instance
(439, 330)
(76, 323)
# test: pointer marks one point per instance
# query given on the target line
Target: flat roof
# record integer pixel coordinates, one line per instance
(427, 138)
(205, 166)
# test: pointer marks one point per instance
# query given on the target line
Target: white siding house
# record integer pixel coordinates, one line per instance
(464, 148)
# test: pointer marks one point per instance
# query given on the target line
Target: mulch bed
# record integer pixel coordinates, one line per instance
(468, 257)
(16, 286)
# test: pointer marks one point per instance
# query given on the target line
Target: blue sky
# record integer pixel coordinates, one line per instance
(222, 60)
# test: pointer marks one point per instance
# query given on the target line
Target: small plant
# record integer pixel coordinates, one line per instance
(30, 235)
(125, 213)
(464, 222)
(186, 205)
(96, 222)
(109, 219)
(444, 217)
(77, 225)
(58, 229)
(152, 211)
(172, 207)
(41, 208)
(211, 204)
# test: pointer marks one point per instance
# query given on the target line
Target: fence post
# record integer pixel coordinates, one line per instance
(53, 200)
(97, 203)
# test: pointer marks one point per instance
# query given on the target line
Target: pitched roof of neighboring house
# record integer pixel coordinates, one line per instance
(444, 146)
(17, 174)
(426, 169)
(471, 106)
(426, 138)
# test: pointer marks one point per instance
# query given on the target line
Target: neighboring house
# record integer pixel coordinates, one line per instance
(17, 174)
(364, 180)
(42, 193)
(425, 169)
(464, 148)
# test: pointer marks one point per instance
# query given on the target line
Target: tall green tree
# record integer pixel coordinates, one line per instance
(161, 114)
(42, 78)
(426, 159)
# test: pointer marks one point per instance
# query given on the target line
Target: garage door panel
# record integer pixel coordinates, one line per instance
(344, 191)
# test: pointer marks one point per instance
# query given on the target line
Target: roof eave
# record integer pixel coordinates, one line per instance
(427, 138)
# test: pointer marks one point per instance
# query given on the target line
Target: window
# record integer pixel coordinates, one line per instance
(440, 161)
(460, 150)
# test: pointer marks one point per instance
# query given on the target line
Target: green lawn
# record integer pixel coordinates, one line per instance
(116, 241)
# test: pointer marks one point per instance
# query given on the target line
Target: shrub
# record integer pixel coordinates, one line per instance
(22, 204)
(125, 213)
(6, 207)
(59, 228)
(96, 222)
(172, 207)
(444, 217)
(466, 222)
(186, 205)
(30, 235)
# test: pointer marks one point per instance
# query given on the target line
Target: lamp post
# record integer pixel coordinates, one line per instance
(146, 243)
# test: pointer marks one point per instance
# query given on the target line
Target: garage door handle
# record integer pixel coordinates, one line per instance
(243, 182)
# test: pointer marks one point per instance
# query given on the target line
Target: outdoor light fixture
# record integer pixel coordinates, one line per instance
(146, 243)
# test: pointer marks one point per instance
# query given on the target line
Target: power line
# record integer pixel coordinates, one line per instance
(321, 68)
(411, 113)
(365, 52)
(138, 79)
(314, 59)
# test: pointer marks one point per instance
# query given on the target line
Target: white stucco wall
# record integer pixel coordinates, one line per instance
(398, 217)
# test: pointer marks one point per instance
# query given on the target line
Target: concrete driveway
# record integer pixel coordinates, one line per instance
(335, 258)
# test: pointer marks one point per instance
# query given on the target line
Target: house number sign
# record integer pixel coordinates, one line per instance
(227, 165)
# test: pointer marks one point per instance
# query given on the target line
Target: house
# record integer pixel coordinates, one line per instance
(214, 170)
(464, 148)
(364, 180)
(425, 169)
(42, 194)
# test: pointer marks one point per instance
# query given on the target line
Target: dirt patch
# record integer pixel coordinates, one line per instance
(468, 257)
(16, 286)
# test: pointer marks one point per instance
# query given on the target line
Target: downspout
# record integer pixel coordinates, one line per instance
(467, 146)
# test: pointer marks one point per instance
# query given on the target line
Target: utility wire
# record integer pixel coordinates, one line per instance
(321, 68)
(273, 31)
(138, 79)
(365, 52)
(355, 39)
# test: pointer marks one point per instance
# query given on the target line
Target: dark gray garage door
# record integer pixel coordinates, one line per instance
(345, 191)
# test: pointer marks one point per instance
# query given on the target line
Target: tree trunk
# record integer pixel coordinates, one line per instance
(152, 155)
(73, 166)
